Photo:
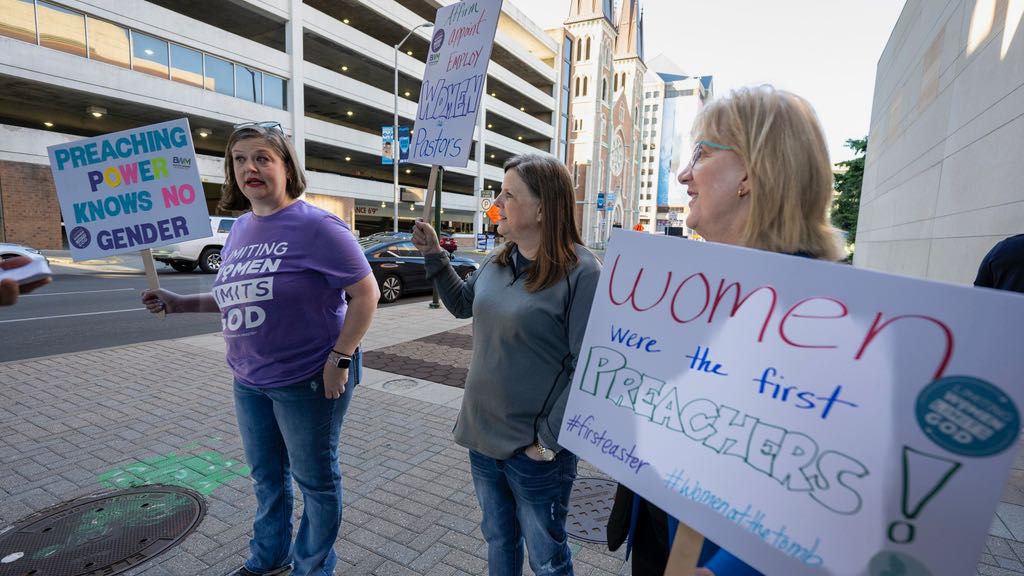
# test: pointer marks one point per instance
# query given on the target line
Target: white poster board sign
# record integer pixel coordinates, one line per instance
(809, 417)
(453, 82)
(131, 190)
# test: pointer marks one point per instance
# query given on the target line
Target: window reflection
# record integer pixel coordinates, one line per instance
(149, 55)
(248, 83)
(109, 43)
(61, 29)
(65, 30)
(19, 21)
(186, 66)
(220, 76)
(273, 91)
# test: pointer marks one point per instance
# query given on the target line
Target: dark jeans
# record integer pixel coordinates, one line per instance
(293, 432)
(523, 499)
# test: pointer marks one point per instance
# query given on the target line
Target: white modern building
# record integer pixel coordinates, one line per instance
(942, 175)
(672, 100)
(323, 69)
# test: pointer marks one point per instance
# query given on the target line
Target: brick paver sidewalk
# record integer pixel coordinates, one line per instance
(77, 424)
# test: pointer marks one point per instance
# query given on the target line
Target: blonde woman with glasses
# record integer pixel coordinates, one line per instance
(292, 345)
(759, 177)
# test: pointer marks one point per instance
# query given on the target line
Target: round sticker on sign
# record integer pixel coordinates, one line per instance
(486, 203)
(438, 40)
(968, 416)
(80, 237)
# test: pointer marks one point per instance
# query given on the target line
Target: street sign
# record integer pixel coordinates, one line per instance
(610, 201)
(486, 203)
(600, 200)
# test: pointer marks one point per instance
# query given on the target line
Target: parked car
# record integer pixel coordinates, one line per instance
(8, 251)
(204, 252)
(446, 240)
(398, 266)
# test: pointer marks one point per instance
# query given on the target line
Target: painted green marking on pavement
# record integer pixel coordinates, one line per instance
(203, 471)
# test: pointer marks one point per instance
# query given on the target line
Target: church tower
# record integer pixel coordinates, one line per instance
(627, 84)
(606, 93)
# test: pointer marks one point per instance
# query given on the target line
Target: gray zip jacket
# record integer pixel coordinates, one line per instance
(525, 347)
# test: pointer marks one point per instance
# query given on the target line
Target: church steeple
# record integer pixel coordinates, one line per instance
(583, 10)
(630, 41)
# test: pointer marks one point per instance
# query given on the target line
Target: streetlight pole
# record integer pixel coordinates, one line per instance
(396, 150)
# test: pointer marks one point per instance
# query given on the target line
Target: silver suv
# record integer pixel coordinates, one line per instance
(205, 251)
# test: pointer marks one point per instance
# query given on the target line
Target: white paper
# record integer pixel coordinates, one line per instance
(453, 82)
(131, 190)
(797, 425)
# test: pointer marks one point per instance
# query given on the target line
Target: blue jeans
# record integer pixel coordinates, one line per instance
(293, 432)
(522, 499)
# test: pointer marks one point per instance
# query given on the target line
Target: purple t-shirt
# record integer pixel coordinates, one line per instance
(280, 292)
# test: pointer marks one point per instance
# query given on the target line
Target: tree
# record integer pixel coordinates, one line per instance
(846, 204)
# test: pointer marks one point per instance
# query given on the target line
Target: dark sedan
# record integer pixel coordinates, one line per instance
(398, 266)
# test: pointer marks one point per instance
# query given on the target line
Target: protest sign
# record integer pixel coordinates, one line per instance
(129, 191)
(809, 417)
(453, 82)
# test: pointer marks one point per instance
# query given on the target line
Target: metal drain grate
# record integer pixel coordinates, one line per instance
(589, 506)
(98, 535)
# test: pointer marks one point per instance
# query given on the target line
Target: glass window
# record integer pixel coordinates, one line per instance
(109, 43)
(225, 225)
(149, 55)
(186, 66)
(61, 29)
(248, 84)
(220, 77)
(405, 250)
(19, 21)
(273, 91)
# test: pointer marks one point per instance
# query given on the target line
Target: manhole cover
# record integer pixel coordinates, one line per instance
(100, 535)
(590, 504)
(401, 384)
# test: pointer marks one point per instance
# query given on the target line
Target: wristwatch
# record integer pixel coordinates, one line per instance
(339, 359)
(545, 454)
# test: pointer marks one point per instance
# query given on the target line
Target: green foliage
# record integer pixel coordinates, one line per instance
(846, 204)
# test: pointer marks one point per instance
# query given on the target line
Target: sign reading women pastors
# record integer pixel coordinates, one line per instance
(811, 418)
(453, 82)
(131, 190)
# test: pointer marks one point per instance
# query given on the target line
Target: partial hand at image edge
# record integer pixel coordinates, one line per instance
(35, 270)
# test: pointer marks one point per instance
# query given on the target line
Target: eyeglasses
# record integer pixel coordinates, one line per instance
(267, 125)
(698, 148)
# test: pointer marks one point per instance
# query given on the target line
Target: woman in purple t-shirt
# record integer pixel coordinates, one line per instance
(292, 344)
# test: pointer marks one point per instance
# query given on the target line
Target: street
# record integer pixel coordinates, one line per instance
(86, 308)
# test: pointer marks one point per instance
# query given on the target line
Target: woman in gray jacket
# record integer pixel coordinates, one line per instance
(529, 302)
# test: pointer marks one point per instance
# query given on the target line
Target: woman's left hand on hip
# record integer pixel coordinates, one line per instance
(334, 381)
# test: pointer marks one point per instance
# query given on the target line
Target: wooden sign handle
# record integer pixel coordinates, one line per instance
(428, 199)
(151, 278)
(682, 559)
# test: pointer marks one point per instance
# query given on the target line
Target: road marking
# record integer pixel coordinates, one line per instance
(70, 315)
(79, 292)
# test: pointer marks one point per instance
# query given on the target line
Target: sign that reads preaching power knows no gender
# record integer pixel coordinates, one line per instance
(811, 418)
(131, 190)
(453, 82)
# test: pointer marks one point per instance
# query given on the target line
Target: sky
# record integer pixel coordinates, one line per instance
(824, 50)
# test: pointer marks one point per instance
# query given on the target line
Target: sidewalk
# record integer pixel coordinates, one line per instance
(74, 425)
(77, 424)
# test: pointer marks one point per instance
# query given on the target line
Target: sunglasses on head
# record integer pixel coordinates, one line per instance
(267, 125)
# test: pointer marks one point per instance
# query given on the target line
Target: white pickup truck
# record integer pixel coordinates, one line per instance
(205, 252)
